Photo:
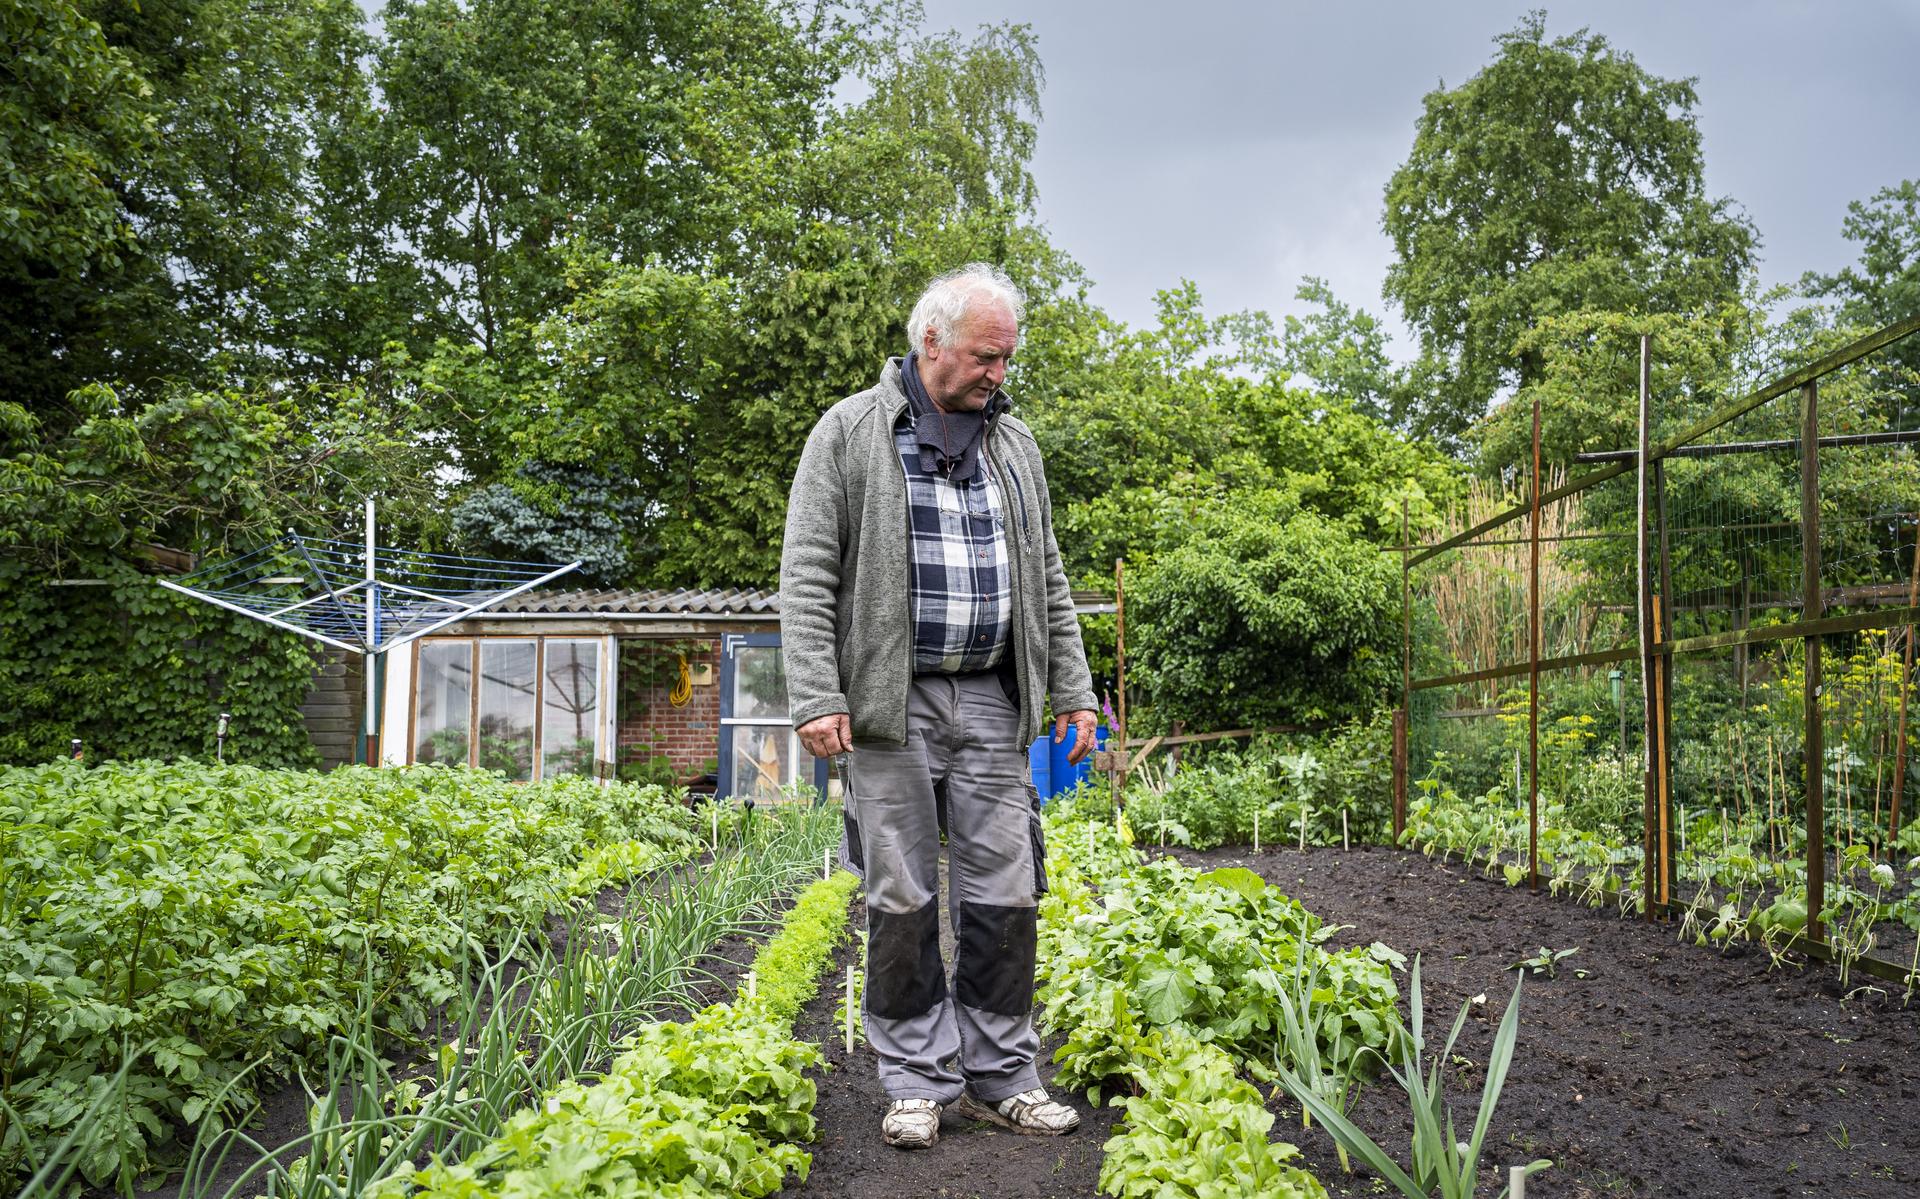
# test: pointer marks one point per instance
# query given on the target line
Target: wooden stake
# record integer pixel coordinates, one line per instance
(1401, 755)
(1812, 604)
(1643, 557)
(1906, 684)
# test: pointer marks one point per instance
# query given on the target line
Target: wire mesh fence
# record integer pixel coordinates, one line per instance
(1679, 682)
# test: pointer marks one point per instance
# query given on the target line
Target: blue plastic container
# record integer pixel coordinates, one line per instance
(1040, 762)
(1048, 761)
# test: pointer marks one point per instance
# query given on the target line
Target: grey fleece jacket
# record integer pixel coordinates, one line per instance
(846, 627)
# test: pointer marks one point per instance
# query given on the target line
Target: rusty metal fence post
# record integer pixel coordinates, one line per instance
(1533, 666)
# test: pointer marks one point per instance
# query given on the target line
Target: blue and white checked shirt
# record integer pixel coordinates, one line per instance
(962, 585)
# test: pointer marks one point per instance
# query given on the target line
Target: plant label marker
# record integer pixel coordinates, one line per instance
(1517, 1182)
(1089, 842)
(1303, 827)
(1346, 843)
(826, 862)
(716, 826)
(1256, 830)
(850, 1002)
(753, 985)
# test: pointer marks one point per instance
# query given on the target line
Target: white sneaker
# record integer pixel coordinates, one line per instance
(1029, 1113)
(911, 1124)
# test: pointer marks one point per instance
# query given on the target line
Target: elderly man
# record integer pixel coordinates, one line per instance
(926, 619)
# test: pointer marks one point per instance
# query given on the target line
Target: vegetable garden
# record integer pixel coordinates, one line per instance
(228, 981)
(1749, 576)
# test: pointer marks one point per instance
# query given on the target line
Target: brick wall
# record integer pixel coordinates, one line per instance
(649, 723)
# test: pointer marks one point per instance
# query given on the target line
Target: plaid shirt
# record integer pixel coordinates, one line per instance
(961, 584)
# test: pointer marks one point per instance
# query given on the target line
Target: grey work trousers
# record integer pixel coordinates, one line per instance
(962, 771)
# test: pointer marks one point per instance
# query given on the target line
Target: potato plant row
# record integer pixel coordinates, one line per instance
(210, 926)
(1169, 983)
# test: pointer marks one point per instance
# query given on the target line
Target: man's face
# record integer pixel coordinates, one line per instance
(962, 376)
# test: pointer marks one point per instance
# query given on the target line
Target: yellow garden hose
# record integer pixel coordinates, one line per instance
(682, 690)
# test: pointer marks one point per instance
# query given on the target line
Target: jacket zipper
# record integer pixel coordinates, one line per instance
(1019, 496)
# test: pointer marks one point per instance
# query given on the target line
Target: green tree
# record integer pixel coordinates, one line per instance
(1884, 286)
(1342, 351)
(694, 384)
(74, 117)
(1268, 614)
(1561, 177)
(1146, 428)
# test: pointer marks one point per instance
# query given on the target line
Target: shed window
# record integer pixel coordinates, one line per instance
(759, 753)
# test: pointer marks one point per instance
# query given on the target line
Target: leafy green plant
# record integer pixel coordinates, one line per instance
(787, 968)
(1546, 962)
(1193, 1128)
(1440, 1161)
(1208, 952)
(1198, 1130)
(708, 1107)
(226, 920)
(527, 1018)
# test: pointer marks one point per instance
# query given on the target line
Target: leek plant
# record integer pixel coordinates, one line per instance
(1441, 1163)
(1331, 1072)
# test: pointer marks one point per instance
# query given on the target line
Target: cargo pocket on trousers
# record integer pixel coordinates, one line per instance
(1038, 837)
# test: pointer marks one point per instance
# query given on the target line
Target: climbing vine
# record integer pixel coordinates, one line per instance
(133, 670)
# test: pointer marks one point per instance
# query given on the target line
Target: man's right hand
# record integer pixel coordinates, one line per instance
(828, 735)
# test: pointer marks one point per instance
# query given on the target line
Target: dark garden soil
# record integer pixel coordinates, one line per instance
(1645, 1066)
(1666, 1070)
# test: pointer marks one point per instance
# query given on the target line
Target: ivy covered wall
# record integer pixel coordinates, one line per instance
(136, 671)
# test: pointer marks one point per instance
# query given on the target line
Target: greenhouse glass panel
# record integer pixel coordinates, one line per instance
(569, 703)
(759, 684)
(443, 702)
(507, 681)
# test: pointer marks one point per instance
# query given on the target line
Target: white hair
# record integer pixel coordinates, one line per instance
(944, 306)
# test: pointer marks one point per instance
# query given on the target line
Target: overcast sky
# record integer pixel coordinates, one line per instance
(1243, 145)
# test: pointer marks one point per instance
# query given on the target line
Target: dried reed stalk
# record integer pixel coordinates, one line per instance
(1479, 590)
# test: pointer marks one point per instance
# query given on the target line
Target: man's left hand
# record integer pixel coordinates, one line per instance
(1083, 724)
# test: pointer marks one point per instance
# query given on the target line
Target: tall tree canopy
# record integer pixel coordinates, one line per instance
(1561, 177)
(1884, 285)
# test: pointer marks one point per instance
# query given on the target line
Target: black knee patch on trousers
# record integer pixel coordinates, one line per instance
(995, 958)
(904, 973)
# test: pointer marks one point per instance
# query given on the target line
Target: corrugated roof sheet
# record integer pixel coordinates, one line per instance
(679, 602)
(720, 601)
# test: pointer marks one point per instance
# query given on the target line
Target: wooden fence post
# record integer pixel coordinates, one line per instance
(1812, 605)
(1648, 633)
